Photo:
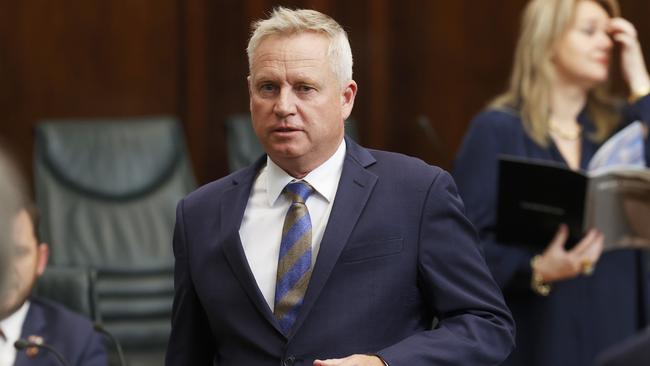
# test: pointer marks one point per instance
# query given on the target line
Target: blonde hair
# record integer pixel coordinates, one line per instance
(283, 21)
(544, 22)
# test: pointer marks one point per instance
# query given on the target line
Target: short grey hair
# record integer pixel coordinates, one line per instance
(283, 21)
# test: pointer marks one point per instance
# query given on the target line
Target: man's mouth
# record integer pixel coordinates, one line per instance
(286, 130)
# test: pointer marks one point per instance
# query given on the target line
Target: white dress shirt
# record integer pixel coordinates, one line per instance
(261, 228)
(12, 326)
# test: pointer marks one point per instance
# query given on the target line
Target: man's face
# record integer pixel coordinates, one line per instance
(298, 105)
(28, 259)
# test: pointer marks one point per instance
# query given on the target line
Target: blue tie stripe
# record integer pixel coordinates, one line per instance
(294, 234)
(287, 310)
(293, 275)
(289, 318)
(301, 189)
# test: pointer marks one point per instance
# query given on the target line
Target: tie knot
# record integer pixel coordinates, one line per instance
(299, 191)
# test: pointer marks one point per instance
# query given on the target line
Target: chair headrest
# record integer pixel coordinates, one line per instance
(111, 159)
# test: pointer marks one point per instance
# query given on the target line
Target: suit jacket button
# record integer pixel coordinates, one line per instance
(289, 361)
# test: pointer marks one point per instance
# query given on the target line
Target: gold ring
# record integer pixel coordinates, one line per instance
(587, 267)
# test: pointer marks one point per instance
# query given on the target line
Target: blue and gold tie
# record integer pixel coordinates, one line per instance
(294, 261)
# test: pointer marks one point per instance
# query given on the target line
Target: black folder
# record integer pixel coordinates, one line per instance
(536, 196)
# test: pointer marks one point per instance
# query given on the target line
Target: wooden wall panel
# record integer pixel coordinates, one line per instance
(193, 99)
(77, 58)
(226, 76)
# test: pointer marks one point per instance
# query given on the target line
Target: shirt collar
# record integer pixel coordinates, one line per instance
(324, 179)
(12, 325)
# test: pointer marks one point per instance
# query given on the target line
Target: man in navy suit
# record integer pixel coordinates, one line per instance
(322, 252)
(40, 321)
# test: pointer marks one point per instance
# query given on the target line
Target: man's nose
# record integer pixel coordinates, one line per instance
(285, 104)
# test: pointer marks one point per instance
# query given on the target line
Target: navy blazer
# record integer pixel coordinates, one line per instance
(581, 316)
(70, 334)
(397, 252)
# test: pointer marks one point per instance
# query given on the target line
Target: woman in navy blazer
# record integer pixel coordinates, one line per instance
(568, 303)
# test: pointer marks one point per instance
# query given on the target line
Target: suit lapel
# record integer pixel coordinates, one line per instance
(34, 325)
(355, 186)
(232, 210)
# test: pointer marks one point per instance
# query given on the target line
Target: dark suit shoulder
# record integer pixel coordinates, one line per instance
(69, 333)
(497, 120)
(403, 168)
(218, 187)
(58, 315)
(492, 132)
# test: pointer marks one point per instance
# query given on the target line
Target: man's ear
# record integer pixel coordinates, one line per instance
(347, 98)
(43, 257)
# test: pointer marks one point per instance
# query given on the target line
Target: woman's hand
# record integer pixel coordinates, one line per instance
(556, 263)
(632, 62)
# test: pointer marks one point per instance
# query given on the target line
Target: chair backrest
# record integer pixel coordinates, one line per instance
(107, 191)
(72, 287)
(242, 144)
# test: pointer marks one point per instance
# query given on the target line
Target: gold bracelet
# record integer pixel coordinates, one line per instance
(638, 94)
(537, 282)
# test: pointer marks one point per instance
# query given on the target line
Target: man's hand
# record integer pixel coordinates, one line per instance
(354, 360)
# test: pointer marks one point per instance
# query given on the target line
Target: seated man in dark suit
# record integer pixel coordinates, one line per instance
(36, 320)
(323, 252)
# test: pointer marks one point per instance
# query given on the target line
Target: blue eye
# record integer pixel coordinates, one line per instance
(267, 87)
(305, 88)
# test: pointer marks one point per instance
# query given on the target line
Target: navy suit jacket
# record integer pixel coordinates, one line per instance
(397, 252)
(70, 334)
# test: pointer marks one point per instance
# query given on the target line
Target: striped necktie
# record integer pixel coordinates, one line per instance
(294, 261)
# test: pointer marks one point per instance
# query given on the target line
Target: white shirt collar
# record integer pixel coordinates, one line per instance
(12, 325)
(324, 179)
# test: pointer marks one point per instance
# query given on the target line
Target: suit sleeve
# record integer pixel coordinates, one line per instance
(190, 342)
(475, 326)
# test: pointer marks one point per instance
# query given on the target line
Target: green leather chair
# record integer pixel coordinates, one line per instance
(107, 192)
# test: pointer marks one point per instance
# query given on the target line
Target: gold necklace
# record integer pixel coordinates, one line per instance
(564, 134)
